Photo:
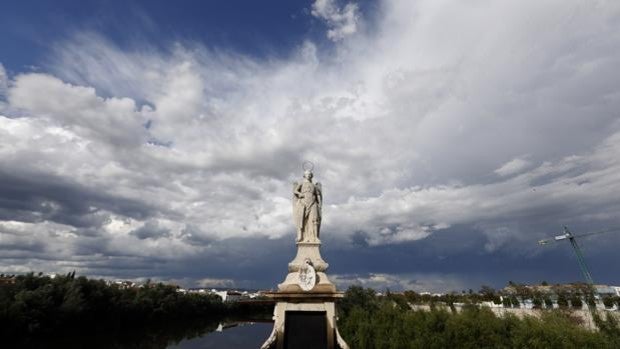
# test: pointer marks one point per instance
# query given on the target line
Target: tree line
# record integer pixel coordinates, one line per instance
(35, 309)
(38, 311)
(541, 296)
(368, 321)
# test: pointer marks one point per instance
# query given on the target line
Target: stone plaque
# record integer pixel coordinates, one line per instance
(305, 330)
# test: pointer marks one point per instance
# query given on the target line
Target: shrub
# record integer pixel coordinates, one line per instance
(608, 302)
(576, 302)
(388, 327)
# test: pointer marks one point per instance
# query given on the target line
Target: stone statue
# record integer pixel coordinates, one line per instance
(307, 291)
(307, 203)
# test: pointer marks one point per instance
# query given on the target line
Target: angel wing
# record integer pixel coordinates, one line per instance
(297, 214)
(319, 193)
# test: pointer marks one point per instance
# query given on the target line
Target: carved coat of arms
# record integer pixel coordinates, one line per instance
(307, 276)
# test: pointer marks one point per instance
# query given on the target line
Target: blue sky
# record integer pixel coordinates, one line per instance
(251, 27)
(145, 140)
(256, 28)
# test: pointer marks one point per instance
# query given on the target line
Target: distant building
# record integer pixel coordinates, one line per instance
(124, 284)
(552, 290)
(229, 296)
(491, 304)
(607, 290)
(526, 294)
(7, 280)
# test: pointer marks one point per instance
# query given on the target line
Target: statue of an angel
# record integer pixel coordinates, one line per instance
(307, 203)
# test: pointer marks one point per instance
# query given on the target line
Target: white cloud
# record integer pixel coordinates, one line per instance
(209, 282)
(79, 109)
(407, 126)
(513, 166)
(3, 80)
(418, 282)
(588, 180)
(341, 22)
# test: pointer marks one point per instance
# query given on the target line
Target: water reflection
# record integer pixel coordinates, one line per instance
(240, 335)
(207, 334)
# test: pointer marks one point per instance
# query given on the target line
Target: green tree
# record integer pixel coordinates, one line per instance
(562, 301)
(576, 302)
(357, 296)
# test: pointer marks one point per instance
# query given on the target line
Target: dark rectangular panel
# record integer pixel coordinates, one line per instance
(305, 330)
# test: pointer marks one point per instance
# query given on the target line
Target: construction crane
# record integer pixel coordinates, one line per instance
(572, 238)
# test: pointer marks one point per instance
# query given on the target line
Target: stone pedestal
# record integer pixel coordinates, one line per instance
(307, 251)
(317, 306)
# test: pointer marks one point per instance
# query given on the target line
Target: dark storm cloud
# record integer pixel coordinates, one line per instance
(150, 230)
(194, 235)
(36, 197)
(250, 262)
(461, 252)
(23, 246)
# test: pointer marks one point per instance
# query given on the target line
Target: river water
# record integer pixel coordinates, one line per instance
(244, 335)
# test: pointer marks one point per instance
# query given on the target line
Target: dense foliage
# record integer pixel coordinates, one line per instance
(42, 312)
(367, 321)
(36, 309)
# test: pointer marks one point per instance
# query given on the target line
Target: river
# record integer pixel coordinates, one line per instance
(243, 335)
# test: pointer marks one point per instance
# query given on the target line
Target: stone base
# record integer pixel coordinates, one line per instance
(308, 250)
(310, 312)
(297, 303)
(291, 284)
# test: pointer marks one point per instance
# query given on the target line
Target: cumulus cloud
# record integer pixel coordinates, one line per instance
(400, 282)
(513, 166)
(220, 283)
(151, 230)
(3, 81)
(413, 213)
(342, 22)
(137, 155)
(115, 120)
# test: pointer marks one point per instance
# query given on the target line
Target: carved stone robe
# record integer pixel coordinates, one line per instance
(307, 199)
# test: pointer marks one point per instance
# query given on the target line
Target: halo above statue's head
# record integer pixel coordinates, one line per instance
(307, 166)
